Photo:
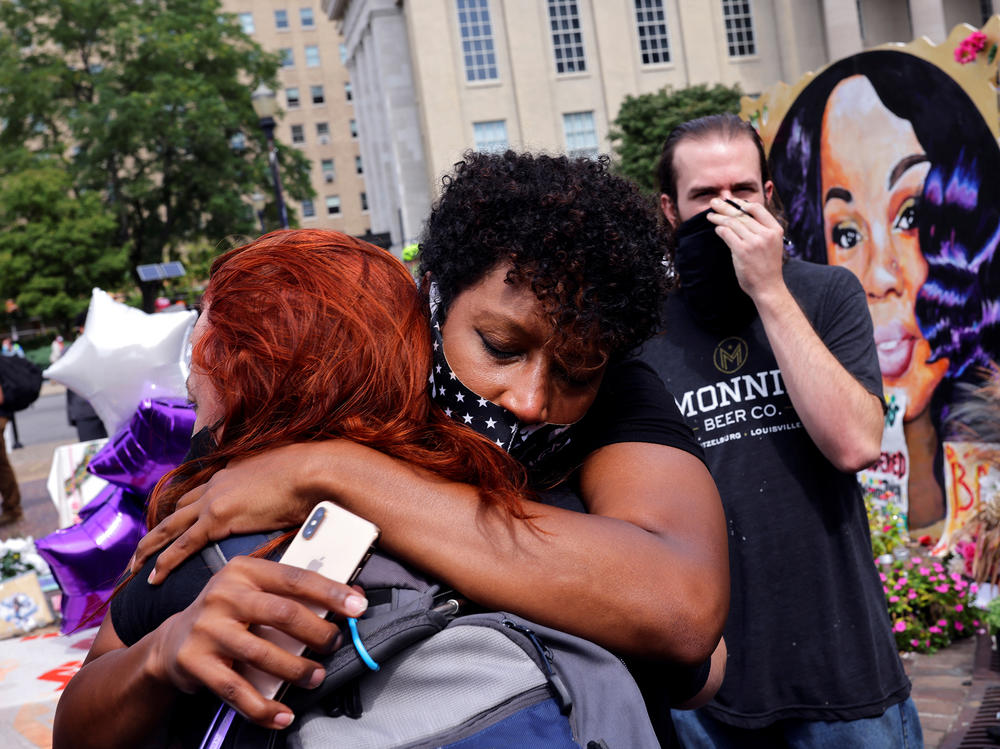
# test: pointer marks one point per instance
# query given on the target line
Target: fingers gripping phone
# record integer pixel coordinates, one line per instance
(334, 542)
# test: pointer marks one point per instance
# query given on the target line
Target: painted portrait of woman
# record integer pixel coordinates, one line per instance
(885, 166)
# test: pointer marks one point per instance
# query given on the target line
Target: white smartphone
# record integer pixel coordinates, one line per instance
(334, 542)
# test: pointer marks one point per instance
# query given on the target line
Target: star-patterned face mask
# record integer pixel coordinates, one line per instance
(529, 444)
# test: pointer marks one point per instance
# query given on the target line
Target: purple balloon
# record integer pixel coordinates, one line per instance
(97, 502)
(155, 441)
(88, 559)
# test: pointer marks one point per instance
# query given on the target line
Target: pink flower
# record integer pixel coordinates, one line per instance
(882, 577)
(938, 567)
(893, 599)
(912, 594)
(899, 626)
(959, 607)
(969, 47)
(959, 626)
(915, 643)
(925, 571)
(885, 590)
(942, 588)
(964, 54)
(934, 630)
(974, 588)
(975, 622)
(942, 622)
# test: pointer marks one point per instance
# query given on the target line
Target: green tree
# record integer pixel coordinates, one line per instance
(54, 248)
(643, 123)
(149, 103)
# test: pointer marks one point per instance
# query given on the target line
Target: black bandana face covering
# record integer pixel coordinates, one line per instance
(527, 443)
(709, 285)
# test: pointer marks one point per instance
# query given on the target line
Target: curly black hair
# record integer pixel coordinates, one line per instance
(587, 242)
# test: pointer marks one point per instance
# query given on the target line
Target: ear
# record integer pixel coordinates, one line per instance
(669, 209)
(425, 283)
(768, 190)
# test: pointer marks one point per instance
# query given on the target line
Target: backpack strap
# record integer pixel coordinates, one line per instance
(216, 555)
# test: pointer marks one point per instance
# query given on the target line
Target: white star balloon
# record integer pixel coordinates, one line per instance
(124, 356)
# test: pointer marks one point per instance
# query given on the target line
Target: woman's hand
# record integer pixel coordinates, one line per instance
(204, 644)
(266, 492)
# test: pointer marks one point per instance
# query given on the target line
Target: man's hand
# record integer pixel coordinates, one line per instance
(755, 238)
(248, 496)
(201, 645)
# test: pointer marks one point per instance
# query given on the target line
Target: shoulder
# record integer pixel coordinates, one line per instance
(139, 607)
(808, 274)
(824, 289)
(634, 405)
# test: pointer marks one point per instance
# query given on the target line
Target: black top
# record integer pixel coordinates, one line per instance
(808, 632)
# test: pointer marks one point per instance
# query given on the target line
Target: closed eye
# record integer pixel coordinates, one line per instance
(496, 350)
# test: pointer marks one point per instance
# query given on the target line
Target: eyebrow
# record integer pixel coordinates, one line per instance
(838, 192)
(749, 185)
(905, 163)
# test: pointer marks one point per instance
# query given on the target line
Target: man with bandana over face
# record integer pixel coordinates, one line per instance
(773, 364)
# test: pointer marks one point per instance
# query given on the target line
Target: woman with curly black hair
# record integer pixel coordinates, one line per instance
(543, 273)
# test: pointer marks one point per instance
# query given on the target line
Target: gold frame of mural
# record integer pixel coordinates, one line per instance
(977, 78)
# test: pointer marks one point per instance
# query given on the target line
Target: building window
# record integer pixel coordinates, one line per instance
(364, 201)
(316, 92)
(306, 17)
(281, 20)
(357, 165)
(739, 27)
(308, 209)
(354, 129)
(348, 92)
(343, 52)
(287, 57)
(332, 205)
(312, 56)
(329, 175)
(477, 40)
(567, 38)
(490, 137)
(298, 134)
(292, 97)
(323, 132)
(651, 23)
(246, 22)
(581, 134)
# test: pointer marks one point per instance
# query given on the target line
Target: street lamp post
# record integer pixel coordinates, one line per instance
(265, 104)
(259, 201)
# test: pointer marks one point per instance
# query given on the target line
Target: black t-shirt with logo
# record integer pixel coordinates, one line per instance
(808, 634)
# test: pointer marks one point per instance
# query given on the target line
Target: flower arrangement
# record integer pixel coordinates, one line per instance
(971, 46)
(929, 606)
(18, 555)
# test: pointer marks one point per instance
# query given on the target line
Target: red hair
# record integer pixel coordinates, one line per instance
(314, 335)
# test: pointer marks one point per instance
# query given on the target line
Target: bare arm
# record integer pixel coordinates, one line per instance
(124, 696)
(646, 573)
(840, 415)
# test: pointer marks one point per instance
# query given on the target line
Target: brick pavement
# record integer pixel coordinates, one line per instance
(942, 686)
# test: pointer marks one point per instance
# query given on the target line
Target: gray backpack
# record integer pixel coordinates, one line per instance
(448, 679)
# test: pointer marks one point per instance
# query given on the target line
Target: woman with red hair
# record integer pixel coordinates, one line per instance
(304, 336)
